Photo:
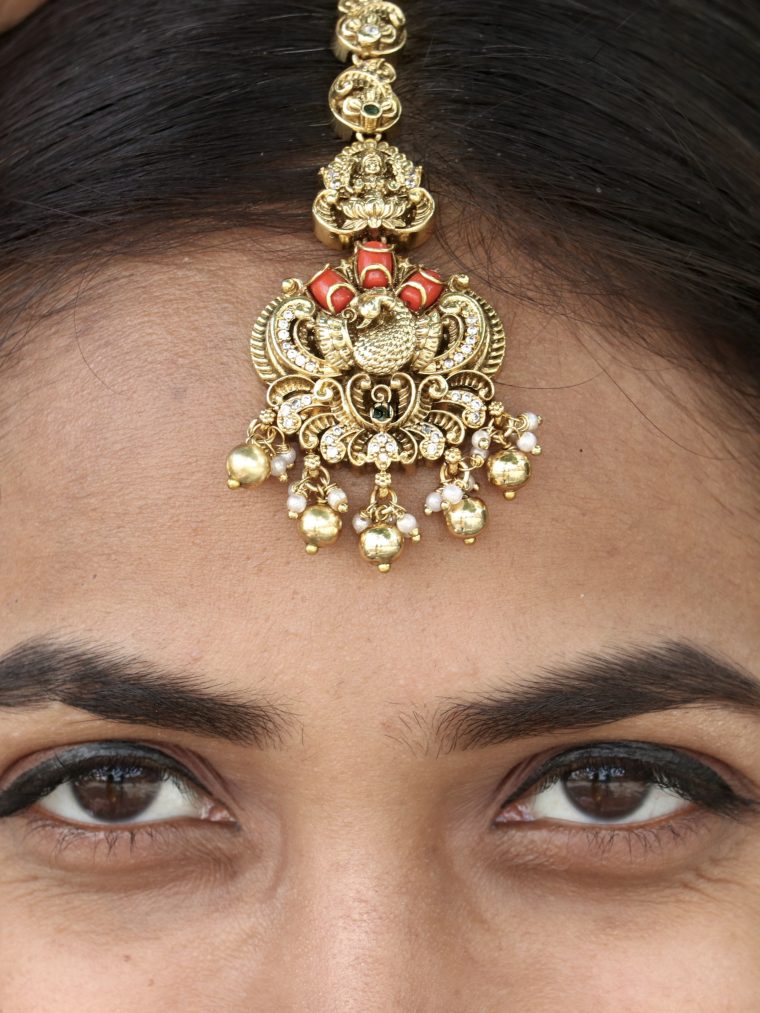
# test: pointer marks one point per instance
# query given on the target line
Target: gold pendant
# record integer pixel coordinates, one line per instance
(378, 361)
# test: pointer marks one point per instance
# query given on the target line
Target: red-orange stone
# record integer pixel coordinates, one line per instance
(331, 290)
(421, 290)
(374, 264)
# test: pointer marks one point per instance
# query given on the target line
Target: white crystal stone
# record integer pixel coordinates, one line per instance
(360, 523)
(311, 366)
(406, 524)
(433, 501)
(279, 465)
(448, 364)
(453, 493)
(526, 442)
(296, 503)
(533, 422)
(300, 360)
(458, 357)
(336, 497)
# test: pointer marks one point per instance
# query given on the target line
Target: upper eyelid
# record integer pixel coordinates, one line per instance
(646, 752)
(28, 787)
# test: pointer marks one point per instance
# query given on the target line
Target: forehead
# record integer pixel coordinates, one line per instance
(116, 520)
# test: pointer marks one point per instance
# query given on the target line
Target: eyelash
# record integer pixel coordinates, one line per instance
(680, 773)
(37, 783)
(670, 769)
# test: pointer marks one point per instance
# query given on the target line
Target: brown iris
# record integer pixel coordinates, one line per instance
(117, 794)
(611, 792)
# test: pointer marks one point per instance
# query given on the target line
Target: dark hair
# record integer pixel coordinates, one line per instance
(616, 142)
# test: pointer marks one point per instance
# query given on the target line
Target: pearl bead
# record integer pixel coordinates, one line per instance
(433, 501)
(453, 493)
(336, 498)
(406, 524)
(279, 465)
(360, 523)
(290, 456)
(481, 439)
(296, 503)
(532, 420)
(526, 442)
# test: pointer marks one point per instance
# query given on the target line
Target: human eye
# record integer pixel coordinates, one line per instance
(619, 785)
(108, 791)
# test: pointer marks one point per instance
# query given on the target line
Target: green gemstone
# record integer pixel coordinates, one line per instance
(371, 109)
(382, 412)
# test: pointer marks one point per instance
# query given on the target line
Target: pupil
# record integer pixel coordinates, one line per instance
(117, 794)
(606, 793)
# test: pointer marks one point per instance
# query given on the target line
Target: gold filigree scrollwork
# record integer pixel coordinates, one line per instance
(374, 28)
(362, 100)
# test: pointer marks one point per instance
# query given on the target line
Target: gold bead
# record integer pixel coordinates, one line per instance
(381, 544)
(509, 494)
(467, 518)
(508, 469)
(247, 464)
(320, 525)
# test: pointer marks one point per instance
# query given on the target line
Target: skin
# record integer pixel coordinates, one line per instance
(366, 873)
(13, 11)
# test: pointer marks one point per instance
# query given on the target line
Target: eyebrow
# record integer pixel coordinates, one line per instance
(597, 689)
(116, 686)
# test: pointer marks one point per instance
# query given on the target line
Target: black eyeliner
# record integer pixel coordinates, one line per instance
(77, 761)
(669, 768)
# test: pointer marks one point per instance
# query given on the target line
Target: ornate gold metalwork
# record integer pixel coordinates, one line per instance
(372, 188)
(377, 361)
(362, 100)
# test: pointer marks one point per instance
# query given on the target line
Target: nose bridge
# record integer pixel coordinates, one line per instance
(357, 901)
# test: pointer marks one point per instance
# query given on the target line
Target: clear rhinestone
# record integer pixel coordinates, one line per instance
(448, 364)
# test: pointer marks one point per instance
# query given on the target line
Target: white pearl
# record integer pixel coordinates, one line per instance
(290, 456)
(526, 442)
(406, 524)
(433, 501)
(279, 465)
(532, 419)
(453, 493)
(296, 503)
(360, 523)
(481, 439)
(336, 497)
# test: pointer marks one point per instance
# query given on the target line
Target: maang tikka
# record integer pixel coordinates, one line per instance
(377, 360)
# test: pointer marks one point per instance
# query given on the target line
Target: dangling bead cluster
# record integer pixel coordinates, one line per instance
(378, 361)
